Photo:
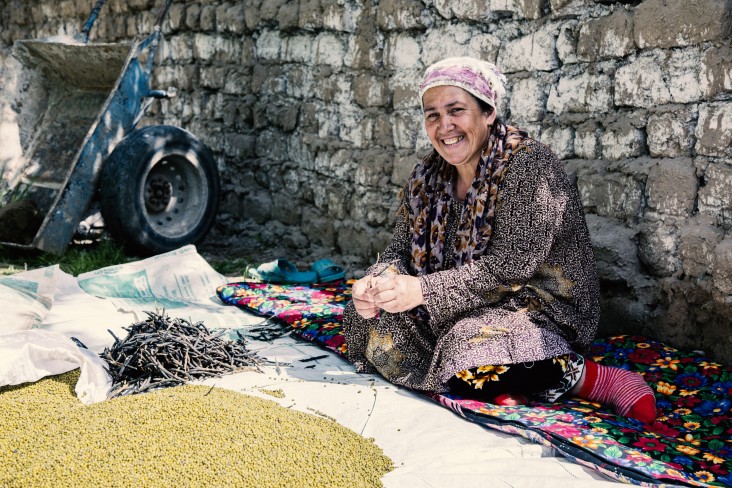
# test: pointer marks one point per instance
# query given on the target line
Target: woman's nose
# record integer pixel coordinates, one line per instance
(445, 123)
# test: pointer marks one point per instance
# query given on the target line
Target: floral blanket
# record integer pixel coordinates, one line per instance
(690, 443)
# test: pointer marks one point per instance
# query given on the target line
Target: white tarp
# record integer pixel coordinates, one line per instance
(430, 445)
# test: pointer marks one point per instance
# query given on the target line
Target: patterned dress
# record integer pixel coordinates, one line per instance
(531, 295)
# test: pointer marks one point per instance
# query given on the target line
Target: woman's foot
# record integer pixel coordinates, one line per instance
(625, 391)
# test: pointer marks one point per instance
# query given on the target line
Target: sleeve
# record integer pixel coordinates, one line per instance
(528, 217)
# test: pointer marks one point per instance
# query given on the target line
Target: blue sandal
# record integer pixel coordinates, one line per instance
(327, 270)
(282, 271)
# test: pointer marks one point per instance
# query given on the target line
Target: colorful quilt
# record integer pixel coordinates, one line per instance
(690, 443)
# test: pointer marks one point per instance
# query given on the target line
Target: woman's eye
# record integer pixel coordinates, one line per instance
(456, 110)
(431, 116)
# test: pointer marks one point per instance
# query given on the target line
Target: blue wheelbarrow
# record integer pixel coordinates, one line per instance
(69, 143)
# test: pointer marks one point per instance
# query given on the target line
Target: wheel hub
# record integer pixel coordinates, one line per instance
(158, 191)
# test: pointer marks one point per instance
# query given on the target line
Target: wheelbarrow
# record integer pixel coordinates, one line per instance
(68, 140)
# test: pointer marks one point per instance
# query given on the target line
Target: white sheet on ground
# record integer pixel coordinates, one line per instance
(430, 445)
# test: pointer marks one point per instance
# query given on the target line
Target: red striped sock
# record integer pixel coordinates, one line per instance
(625, 391)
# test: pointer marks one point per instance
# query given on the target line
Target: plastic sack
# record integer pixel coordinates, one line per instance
(26, 298)
(29, 355)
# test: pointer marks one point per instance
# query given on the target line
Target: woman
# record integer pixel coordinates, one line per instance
(488, 288)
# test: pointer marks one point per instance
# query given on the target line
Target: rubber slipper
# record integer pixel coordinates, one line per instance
(327, 270)
(282, 271)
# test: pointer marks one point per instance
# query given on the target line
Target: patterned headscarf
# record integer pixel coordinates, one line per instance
(480, 78)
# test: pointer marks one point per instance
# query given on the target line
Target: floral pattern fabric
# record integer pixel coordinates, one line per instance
(690, 443)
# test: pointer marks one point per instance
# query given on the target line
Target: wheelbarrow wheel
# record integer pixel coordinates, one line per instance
(159, 190)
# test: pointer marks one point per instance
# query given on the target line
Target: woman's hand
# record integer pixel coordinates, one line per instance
(363, 300)
(397, 294)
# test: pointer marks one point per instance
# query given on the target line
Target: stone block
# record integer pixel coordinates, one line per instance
(328, 49)
(212, 76)
(722, 271)
(239, 146)
(341, 16)
(714, 195)
(616, 253)
(192, 17)
(696, 248)
(671, 187)
(445, 41)
(714, 130)
(257, 205)
(560, 140)
(311, 15)
(674, 23)
(286, 208)
(528, 100)
(621, 140)
(401, 15)
(319, 229)
(534, 52)
(485, 47)
(270, 8)
(567, 42)
(405, 89)
(175, 19)
(178, 48)
(402, 52)
(477, 10)
(557, 5)
(271, 145)
(402, 167)
(350, 238)
(658, 248)
(355, 127)
(613, 195)
(232, 19)
(370, 91)
(587, 141)
(716, 71)
(373, 169)
(670, 133)
(298, 48)
(288, 16)
(208, 18)
(405, 129)
(641, 83)
(370, 209)
(581, 91)
(606, 37)
(683, 75)
(268, 45)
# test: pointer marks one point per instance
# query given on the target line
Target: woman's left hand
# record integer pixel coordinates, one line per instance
(398, 294)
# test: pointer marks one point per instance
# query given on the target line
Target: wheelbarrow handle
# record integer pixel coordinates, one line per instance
(92, 18)
(163, 12)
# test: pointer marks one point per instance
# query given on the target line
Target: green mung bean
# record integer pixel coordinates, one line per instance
(188, 435)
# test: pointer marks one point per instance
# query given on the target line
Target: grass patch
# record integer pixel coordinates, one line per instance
(78, 258)
(82, 258)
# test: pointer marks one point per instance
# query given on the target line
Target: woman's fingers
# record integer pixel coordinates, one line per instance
(398, 294)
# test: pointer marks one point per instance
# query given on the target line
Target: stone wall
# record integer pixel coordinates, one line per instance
(311, 109)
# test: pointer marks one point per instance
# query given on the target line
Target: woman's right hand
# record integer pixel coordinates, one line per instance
(363, 301)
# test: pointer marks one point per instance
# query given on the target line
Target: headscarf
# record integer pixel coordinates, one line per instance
(480, 78)
(428, 191)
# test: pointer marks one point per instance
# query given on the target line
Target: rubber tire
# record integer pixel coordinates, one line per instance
(154, 153)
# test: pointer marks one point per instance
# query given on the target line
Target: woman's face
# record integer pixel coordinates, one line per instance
(455, 124)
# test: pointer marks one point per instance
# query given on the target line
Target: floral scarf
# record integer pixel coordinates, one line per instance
(428, 195)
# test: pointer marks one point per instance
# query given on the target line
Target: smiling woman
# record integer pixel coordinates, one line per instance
(494, 293)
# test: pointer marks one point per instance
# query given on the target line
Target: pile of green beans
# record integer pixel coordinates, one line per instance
(189, 435)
